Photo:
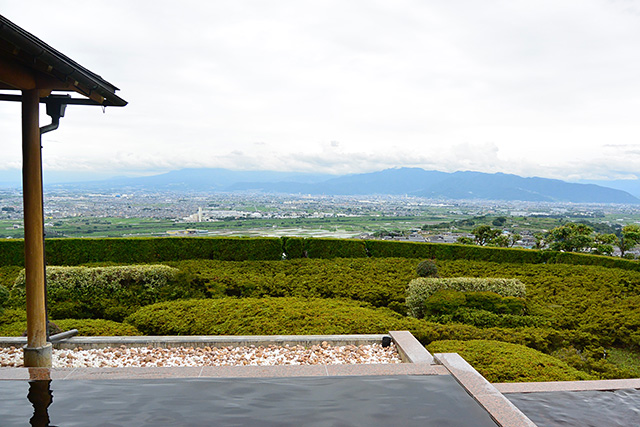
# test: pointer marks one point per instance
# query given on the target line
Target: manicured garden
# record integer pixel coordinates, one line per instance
(543, 320)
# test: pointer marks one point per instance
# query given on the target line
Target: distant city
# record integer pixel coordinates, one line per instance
(78, 213)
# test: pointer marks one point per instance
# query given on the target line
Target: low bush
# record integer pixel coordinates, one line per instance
(4, 297)
(594, 300)
(488, 319)
(423, 287)
(85, 327)
(427, 268)
(592, 360)
(380, 282)
(491, 301)
(443, 302)
(505, 362)
(267, 316)
(13, 329)
(108, 292)
(626, 360)
(8, 275)
(97, 327)
(12, 315)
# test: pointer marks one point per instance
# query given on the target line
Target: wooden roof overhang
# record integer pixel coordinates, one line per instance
(34, 68)
(27, 62)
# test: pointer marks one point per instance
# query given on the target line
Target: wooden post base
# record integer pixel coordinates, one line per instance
(38, 357)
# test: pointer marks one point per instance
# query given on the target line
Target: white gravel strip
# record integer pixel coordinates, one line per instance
(122, 356)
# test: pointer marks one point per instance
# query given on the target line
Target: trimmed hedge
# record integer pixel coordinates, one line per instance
(146, 250)
(504, 362)
(160, 249)
(85, 327)
(293, 247)
(335, 248)
(106, 292)
(97, 327)
(380, 282)
(266, 316)
(440, 251)
(600, 301)
(446, 251)
(449, 302)
(422, 288)
(11, 252)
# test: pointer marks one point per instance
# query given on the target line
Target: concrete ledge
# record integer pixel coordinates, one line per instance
(203, 341)
(410, 349)
(24, 374)
(503, 412)
(598, 385)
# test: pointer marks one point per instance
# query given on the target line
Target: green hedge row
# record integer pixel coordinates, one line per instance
(443, 251)
(150, 250)
(145, 250)
(110, 293)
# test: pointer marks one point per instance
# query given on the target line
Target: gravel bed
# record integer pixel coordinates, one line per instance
(323, 354)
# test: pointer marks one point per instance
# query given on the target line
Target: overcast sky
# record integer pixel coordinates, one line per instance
(537, 88)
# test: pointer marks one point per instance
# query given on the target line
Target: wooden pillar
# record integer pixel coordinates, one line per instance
(37, 352)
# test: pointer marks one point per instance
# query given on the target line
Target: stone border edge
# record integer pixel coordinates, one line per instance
(503, 412)
(202, 340)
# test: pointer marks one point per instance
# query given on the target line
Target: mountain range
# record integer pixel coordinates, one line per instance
(397, 181)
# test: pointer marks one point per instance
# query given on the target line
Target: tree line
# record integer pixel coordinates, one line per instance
(570, 237)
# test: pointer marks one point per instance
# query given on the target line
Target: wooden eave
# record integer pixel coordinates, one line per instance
(26, 62)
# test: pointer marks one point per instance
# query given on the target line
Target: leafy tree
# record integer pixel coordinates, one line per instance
(629, 238)
(499, 221)
(502, 241)
(484, 234)
(464, 240)
(505, 240)
(540, 242)
(571, 237)
(603, 244)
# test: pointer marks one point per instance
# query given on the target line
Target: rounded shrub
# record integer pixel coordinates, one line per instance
(505, 362)
(427, 268)
(445, 301)
(495, 303)
(422, 288)
(267, 316)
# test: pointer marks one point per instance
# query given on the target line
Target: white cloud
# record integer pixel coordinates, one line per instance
(534, 88)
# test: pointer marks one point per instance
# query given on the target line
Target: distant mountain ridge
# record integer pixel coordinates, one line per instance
(398, 181)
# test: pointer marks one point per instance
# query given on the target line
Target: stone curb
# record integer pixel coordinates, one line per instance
(595, 385)
(202, 341)
(410, 349)
(503, 412)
